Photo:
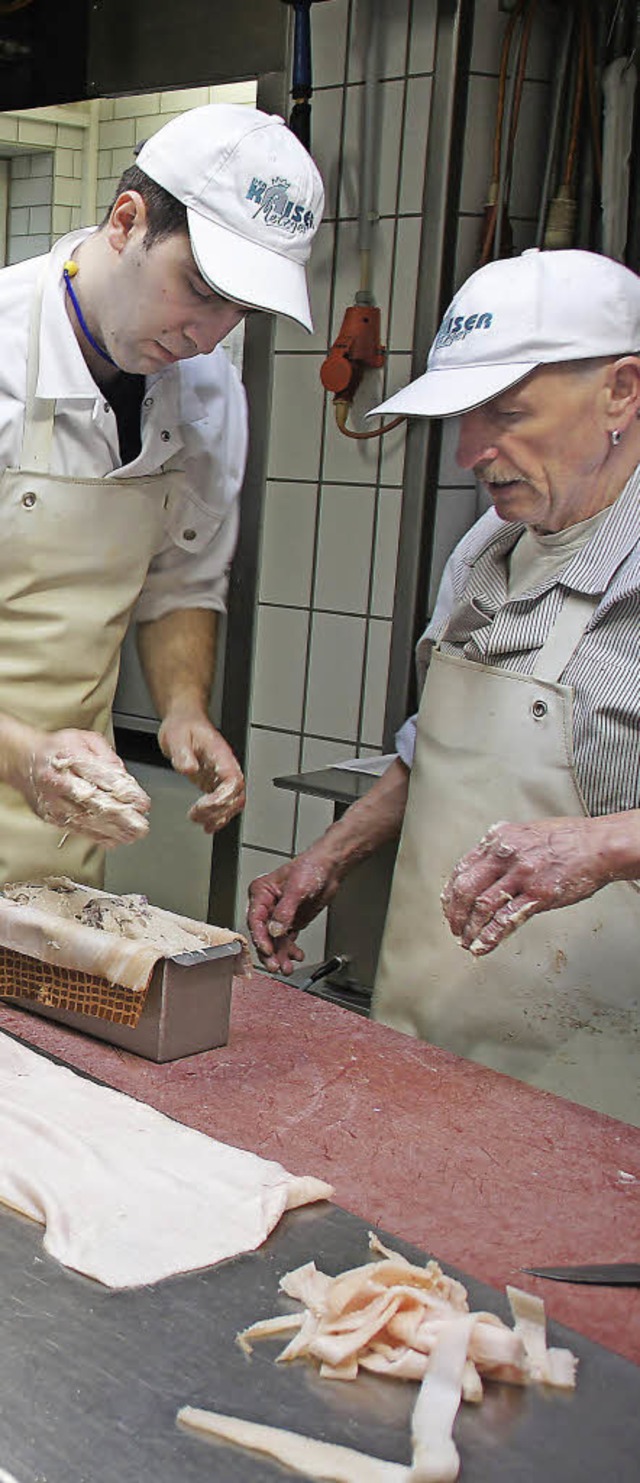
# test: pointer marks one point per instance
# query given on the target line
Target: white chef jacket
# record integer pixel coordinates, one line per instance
(193, 420)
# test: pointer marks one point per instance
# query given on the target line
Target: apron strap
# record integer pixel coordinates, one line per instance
(39, 412)
(566, 633)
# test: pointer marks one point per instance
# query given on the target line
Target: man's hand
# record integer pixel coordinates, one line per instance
(194, 747)
(285, 901)
(74, 779)
(518, 870)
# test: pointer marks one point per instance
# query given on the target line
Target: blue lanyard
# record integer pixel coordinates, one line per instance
(67, 271)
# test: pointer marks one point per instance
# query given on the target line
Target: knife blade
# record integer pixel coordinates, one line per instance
(612, 1274)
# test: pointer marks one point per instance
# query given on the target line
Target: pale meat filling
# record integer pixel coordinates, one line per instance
(60, 922)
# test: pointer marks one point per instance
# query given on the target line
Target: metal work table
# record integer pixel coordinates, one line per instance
(92, 1380)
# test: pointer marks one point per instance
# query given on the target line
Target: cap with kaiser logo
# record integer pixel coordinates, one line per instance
(254, 199)
(519, 313)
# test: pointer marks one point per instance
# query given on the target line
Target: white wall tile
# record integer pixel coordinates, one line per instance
(279, 667)
(478, 154)
(42, 163)
(326, 128)
(32, 192)
(388, 127)
(234, 92)
(18, 221)
(386, 552)
(288, 536)
(26, 247)
(40, 219)
(314, 817)
(423, 37)
(20, 166)
(414, 146)
(132, 107)
(397, 375)
(328, 44)
(393, 38)
(119, 134)
(335, 676)
(178, 100)
(405, 284)
(269, 814)
(319, 751)
(343, 563)
(34, 131)
(290, 336)
(345, 460)
(68, 138)
(296, 420)
(8, 129)
(375, 685)
(450, 473)
(65, 161)
(456, 512)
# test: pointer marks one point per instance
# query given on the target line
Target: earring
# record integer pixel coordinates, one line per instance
(615, 437)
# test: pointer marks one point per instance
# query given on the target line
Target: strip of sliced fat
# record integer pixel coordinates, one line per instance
(435, 1455)
(555, 1367)
(321, 1461)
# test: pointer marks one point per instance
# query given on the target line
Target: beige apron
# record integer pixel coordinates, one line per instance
(73, 559)
(557, 1004)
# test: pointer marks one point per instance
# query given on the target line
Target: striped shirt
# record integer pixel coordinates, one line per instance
(474, 617)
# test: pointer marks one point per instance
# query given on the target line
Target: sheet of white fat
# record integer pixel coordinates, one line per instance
(127, 1195)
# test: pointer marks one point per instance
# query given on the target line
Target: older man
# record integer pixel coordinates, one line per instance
(122, 451)
(526, 768)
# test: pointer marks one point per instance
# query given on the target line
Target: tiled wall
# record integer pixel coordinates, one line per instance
(332, 508)
(46, 156)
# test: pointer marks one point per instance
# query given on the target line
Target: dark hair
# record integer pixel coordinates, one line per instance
(165, 213)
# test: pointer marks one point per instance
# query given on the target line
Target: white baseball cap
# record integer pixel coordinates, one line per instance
(519, 313)
(254, 199)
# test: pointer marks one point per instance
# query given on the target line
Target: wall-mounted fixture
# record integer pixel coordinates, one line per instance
(302, 71)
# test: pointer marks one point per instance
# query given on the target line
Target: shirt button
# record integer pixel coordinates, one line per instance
(539, 709)
(29, 500)
(165, 435)
(148, 401)
(189, 535)
(107, 406)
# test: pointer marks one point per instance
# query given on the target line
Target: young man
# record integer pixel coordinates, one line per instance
(123, 441)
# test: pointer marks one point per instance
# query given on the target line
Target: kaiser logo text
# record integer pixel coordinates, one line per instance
(278, 207)
(456, 327)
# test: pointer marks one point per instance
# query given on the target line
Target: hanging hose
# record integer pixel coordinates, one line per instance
(301, 89)
(561, 220)
(497, 240)
(342, 409)
(554, 129)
